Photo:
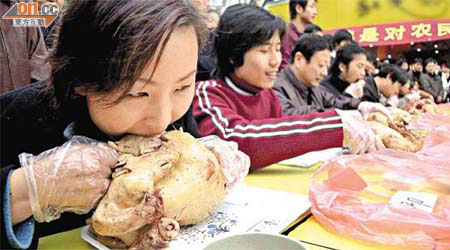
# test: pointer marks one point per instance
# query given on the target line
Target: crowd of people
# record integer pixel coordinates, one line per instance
(142, 67)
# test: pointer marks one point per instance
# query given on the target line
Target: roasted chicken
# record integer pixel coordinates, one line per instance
(160, 182)
(394, 134)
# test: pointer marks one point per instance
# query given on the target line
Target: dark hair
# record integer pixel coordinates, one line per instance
(345, 55)
(329, 39)
(443, 62)
(242, 27)
(308, 44)
(430, 60)
(340, 36)
(400, 62)
(372, 58)
(404, 78)
(417, 60)
(293, 4)
(394, 72)
(105, 45)
(312, 28)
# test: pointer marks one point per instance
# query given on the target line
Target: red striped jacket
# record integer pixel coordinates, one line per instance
(257, 124)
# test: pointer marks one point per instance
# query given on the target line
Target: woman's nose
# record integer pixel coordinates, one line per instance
(161, 110)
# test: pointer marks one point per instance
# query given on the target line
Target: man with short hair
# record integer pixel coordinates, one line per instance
(431, 82)
(385, 85)
(341, 37)
(297, 85)
(302, 13)
(313, 29)
(348, 67)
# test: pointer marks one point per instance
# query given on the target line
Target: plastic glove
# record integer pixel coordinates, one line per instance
(358, 136)
(393, 101)
(369, 107)
(72, 177)
(235, 164)
(356, 90)
(413, 99)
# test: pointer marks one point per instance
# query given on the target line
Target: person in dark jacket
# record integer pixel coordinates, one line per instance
(132, 76)
(430, 82)
(384, 85)
(415, 71)
(297, 86)
(348, 67)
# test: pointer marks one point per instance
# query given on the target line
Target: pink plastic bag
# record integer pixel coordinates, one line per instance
(351, 196)
(437, 130)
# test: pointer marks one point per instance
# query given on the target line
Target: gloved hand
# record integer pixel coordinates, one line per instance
(358, 136)
(72, 177)
(369, 107)
(393, 101)
(413, 99)
(356, 90)
(235, 164)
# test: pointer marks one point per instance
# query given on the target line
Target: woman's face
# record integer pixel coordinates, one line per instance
(356, 69)
(404, 90)
(152, 104)
(261, 63)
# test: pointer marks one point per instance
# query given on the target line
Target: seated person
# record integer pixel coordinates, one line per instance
(240, 105)
(404, 93)
(349, 67)
(101, 89)
(431, 82)
(384, 85)
(297, 85)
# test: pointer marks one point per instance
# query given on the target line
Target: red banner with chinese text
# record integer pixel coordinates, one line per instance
(400, 33)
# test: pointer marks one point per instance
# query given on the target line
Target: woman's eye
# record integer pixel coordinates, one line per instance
(139, 94)
(183, 87)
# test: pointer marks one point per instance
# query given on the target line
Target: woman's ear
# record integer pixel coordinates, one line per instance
(81, 90)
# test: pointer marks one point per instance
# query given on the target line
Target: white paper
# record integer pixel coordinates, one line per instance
(422, 201)
(245, 210)
(311, 158)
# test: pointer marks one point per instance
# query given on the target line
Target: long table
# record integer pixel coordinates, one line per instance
(276, 177)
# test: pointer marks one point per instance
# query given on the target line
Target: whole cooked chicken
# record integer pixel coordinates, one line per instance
(393, 136)
(160, 182)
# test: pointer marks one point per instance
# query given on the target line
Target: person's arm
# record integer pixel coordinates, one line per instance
(37, 51)
(20, 201)
(266, 141)
(425, 95)
(369, 94)
(292, 108)
(426, 85)
(345, 103)
(285, 51)
(17, 230)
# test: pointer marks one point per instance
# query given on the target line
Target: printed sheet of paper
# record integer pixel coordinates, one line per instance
(247, 209)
